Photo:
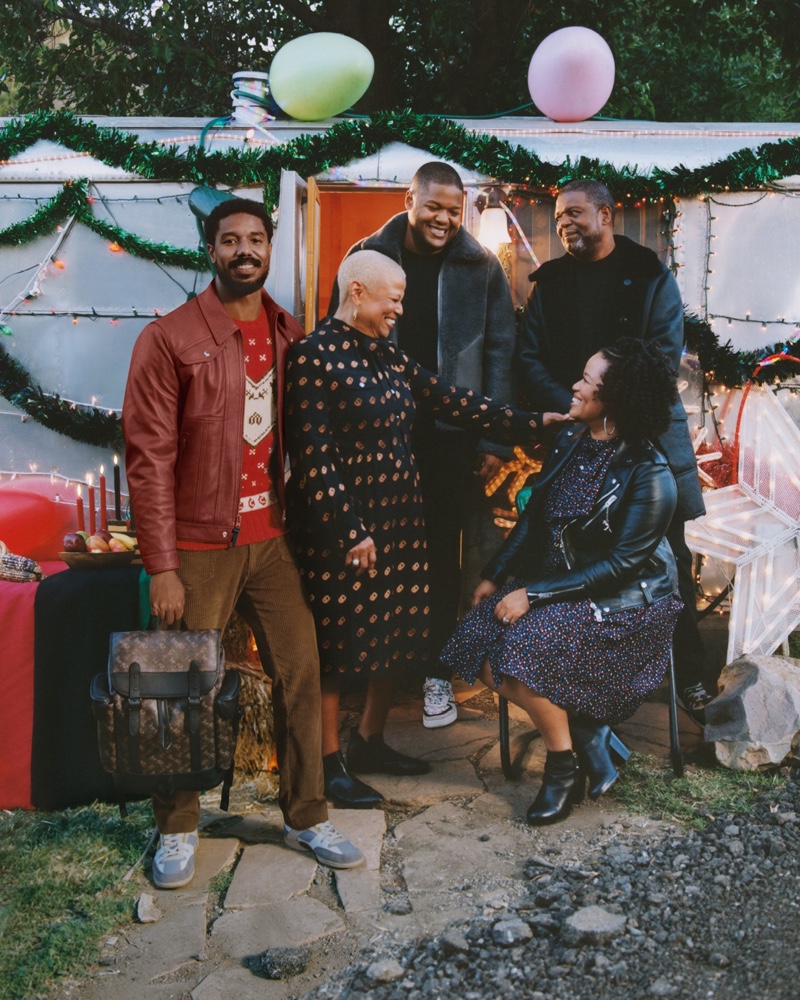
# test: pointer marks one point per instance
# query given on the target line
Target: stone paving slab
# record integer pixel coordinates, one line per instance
(366, 828)
(449, 780)
(250, 931)
(359, 889)
(210, 858)
(453, 856)
(179, 937)
(648, 730)
(268, 873)
(455, 742)
(260, 827)
(527, 751)
(236, 982)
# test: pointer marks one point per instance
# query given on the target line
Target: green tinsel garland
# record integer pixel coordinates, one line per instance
(73, 199)
(352, 139)
(87, 424)
(725, 366)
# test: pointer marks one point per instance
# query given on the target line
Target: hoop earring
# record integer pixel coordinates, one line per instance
(613, 430)
(355, 315)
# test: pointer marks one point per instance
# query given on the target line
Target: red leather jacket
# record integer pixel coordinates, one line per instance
(183, 419)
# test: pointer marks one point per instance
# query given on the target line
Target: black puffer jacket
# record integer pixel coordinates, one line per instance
(616, 554)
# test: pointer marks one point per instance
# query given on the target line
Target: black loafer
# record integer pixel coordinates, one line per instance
(373, 756)
(344, 789)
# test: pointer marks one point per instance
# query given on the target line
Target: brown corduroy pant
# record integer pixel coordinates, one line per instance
(263, 583)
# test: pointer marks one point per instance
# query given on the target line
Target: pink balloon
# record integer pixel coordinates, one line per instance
(571, 74)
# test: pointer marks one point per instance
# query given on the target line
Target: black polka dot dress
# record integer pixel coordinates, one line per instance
(603, 667)
(350, 406)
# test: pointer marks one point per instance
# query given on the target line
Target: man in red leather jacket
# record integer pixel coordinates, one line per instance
(205, 460)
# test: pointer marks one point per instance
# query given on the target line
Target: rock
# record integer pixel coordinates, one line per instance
(663, 988)
(146, 910)
(755, 720)
(511, 932)
(398, 906)
(386, 970)
(280, 963)
(551, 894)
(593, 925)
(717, 959)
(453, 940)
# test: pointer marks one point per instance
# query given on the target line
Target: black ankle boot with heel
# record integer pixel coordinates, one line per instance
(562, 787)
(345, 789)
(599, 750)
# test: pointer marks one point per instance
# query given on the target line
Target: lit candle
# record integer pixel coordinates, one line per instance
(103, 511)
(79, 508)
(117, 492)
(90, 497)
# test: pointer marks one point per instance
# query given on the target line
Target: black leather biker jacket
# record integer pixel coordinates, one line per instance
(616, 555)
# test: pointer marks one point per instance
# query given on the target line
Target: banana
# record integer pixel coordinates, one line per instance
(127, 540)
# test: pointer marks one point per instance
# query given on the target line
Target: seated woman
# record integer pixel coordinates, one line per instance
(582, 632)
(355, 504)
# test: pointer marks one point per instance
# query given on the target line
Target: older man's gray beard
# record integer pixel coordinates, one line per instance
(579, 247)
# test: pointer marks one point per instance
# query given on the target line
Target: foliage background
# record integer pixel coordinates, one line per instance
(677, 60)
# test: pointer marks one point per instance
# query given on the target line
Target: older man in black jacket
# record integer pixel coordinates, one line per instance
(458, 322)
(603, 288)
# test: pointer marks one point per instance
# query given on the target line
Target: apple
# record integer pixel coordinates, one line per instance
(84, 535)
(73, 542)
(115, 545)
(102, 533)
(96, 544)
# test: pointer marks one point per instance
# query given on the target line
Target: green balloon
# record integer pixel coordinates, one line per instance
(320, 75)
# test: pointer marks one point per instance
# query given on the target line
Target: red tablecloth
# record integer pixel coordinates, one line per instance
(16, 701)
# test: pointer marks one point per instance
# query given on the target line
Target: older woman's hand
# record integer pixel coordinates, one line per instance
(512, 607)
(554, 418)
(362, 557)
(484, 589)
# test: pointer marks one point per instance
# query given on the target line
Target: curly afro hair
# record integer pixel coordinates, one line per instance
(639, 388)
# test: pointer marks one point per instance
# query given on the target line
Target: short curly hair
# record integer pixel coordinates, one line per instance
(235, 206)
(639, 388)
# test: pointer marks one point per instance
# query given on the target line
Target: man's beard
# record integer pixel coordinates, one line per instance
(239, 286)
(579, 247)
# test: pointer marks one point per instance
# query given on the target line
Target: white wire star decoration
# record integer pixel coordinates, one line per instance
(753, 529)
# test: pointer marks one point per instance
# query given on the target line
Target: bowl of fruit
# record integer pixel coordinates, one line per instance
(102, 550)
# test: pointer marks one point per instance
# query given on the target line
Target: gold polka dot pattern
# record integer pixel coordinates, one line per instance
(350, 406)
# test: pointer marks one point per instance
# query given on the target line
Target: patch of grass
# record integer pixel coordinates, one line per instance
(61, 890)
(701, 794)
(221, 882)
(794, 645)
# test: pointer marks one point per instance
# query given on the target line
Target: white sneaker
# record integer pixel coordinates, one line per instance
(325, 842)
(173, 865)
(440, 703)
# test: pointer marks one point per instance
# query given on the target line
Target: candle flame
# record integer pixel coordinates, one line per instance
(89, 479)
(116, 460)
